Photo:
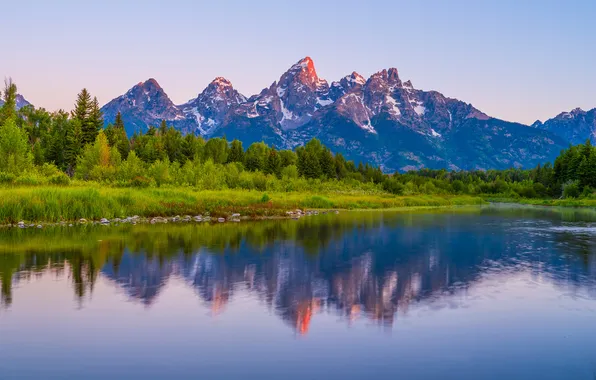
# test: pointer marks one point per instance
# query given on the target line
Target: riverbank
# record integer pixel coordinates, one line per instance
(566, 202)
(55, 204)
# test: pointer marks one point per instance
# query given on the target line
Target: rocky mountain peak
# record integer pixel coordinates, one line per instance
(345, 85)
(302, 72)
(144, 104)
(385, 78)
(571, 114)
(212, 105)
(220, 89)
(20, 100)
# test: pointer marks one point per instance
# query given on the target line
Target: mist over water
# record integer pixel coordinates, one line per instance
(492, 292)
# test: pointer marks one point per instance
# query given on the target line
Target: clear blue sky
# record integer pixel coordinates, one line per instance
(518, 60)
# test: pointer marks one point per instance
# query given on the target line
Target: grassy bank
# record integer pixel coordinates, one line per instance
(54, 204)
(566, 202)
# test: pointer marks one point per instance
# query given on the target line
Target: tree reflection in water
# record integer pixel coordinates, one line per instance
(372, 264)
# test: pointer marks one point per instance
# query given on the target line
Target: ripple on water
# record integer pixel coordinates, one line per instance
(584, 230)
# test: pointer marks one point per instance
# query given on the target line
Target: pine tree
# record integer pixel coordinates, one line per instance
(93, 124)
(122, 143)
(189, 147)
(72, 146)
(163, 128)
(56, 140)
(172, 141)
(81, 114)
(118, 123)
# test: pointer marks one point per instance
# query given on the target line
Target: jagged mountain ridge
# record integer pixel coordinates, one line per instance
(21, 102)
(380, 120)
(574, 126)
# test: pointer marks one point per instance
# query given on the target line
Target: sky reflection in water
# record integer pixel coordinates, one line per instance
(497, 292)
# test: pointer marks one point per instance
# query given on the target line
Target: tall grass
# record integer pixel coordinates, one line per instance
(54, 203)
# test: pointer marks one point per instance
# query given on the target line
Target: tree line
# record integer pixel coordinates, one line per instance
(37, 147)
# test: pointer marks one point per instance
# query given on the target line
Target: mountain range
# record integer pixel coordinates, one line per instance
(381, 120)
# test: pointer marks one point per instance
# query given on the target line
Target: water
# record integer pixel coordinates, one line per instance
(484, 293)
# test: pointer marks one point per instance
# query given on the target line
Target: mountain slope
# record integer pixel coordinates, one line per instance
(146, 104)
(574, 126)
(21, 102)
(381, 120)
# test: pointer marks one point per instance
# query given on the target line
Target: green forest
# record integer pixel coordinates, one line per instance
(73, 149)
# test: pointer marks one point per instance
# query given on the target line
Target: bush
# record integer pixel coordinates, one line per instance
(141, 182)
(571, 189)
(265, 198)
(27, 180)
(259, 180)
(7, 178)
(59, 179)
(318, 202)
(289, 172)
(392, 186)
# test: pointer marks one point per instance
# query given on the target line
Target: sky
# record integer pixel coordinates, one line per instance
(516, 60)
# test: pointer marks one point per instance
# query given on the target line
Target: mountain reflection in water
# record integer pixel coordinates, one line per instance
(366, 264)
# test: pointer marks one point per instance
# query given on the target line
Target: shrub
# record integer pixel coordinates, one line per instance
(141, 181)
(571, 189)
(27, 180)
(6, 178)
(392, 186)
(59, 179)
(259, 180)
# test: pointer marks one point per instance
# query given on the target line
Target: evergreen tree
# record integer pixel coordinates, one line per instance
(118, 123)
(82, 114)
(172, 141)
(72, 146)
(57, 140)
(122, 143)
(163, 128)
(191, 147)
(110, 133)
(95, 122)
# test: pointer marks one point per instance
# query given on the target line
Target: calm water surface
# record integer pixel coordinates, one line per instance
(489, 293)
